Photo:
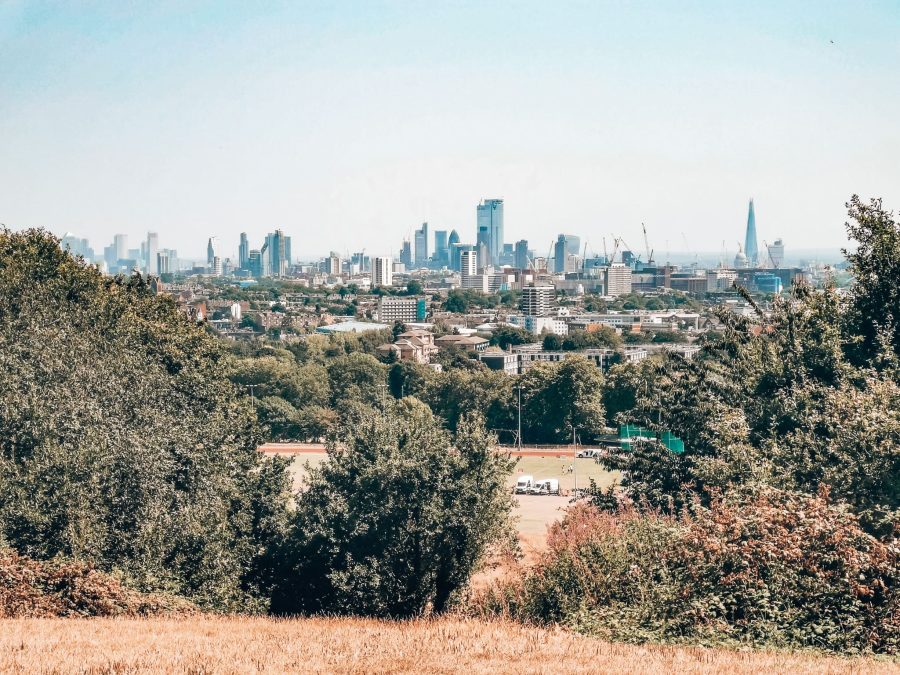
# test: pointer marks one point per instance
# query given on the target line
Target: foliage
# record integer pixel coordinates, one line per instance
(121, 444)
(32, 589)
(506, 336)
(398, 517)
(770, 569)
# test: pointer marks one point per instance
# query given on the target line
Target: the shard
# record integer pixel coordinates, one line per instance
(750, 249)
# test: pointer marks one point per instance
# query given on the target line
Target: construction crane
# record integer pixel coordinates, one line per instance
(647, 245)
(605, 255)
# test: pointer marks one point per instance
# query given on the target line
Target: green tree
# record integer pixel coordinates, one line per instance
(397, 519)
(414, 287)
(504, 336)
(121, 444)
(456, 302)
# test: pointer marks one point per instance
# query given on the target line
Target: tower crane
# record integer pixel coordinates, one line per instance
(647, 246)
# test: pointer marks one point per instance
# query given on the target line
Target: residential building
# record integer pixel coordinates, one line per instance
(537, 300)
(401, 308)
(333, 265)
(471, 343)
(468, 264)
(618, 279)
(120, 246)
(539, 324)
(383, 274)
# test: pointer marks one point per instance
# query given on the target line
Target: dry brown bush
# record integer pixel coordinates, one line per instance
(29, 588)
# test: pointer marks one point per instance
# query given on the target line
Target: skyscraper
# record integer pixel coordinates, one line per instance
(750, 248)
(560, 251)
(468, 264)
(211, 253)
(441, 248)
(152, 249)
(536, 300)
(489, 215)
(120, 245)
(573, 244)
(421, 248)
(275, 256)
(521, 254)
(243, 252)
(406, 254)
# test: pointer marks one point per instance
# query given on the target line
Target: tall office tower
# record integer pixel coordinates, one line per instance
(421, 249)
(77, 246)
(521, 254)
(152, 251)
(560, 251)
(110, 258)
(120, 246)
(490, 227)
(441, 248)
(536, 300)
(217, 266)
(211, 252)
(333, 264)
(406, 254)
(750, 249)
(468, 263)
(508, 255)
(167, 261)
(776, 253)
(276, 263)
(243, 252)
(287, 253)
(484, 256)
(364, 261)
(573, 244)
(254, 263)
(383, 274)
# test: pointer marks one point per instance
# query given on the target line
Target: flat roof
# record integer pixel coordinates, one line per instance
(352, 327)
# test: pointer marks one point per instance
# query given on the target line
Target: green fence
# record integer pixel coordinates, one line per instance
(628, 433)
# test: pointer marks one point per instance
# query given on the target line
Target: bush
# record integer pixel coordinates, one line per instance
(397, 519)
(30, 589)
(773, 569)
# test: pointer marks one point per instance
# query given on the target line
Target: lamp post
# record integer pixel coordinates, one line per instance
(519, 391)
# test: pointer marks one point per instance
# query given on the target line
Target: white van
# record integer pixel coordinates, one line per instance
(545, 486)
(524, 484)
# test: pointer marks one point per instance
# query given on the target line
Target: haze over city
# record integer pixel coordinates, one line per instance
(350, 124)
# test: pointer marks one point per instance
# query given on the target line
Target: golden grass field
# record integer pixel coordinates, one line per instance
(448, 645)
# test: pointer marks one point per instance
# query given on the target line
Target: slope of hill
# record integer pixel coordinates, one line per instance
(226, 645)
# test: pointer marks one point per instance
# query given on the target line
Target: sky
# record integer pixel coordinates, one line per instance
(347, 124)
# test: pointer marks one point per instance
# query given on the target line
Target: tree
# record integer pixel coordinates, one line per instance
(414, 287)
(552, 342)
(356, 376)
(456, 302)
(397, 518)
(504, 336)
(398, 328)
(121, 444)
(873, 317)
(561, 396)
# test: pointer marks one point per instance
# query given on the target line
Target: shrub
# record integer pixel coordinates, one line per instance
(772, 569)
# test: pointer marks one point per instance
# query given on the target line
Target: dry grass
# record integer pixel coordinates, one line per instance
(240, 645)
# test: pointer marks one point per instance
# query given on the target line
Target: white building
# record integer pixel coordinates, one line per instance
(401, 308)
(536, 300)
(382, 272)
(538, 324)
(618, 279)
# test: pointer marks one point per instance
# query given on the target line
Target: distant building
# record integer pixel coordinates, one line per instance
(401, 308)
(776, 253)
(537, 300)
(521, 254)
(406, 258)
(750, 248)
(211, 252)
(456, 250)
(151, 252)
(468, 270)
(618, 279)
(421, 249)
(120, 246)
(489, 215)
(383, 272)
(244, 252)
(441, 248)
(333, 264)
(352, 327)
(560, 252)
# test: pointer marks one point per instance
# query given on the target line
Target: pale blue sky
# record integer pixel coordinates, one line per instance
(347, 124)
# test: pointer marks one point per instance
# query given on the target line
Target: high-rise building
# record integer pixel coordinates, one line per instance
(152, 250)
(456, 250)
(363, 261)
(421, 248)
(484, 256)
(333, 264)
(560, 251)
(243, 252)
(120, 246)
(382, 274)
(77, 246)
(468, 263)
(211, 252)
(618, 279)
(489, 214)
(750, 248)
(536, 300)
(167, 261)
(521, 254)
(441, 248)
(255, 263)
(573, 244)
(216, 266)
(406, 254)
(287, 253)
(776, 253)
(274, 254)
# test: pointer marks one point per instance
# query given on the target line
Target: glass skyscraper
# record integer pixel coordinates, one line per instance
(490, 227)
(750, 248)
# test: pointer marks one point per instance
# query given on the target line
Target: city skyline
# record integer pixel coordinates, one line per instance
(113, 121)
